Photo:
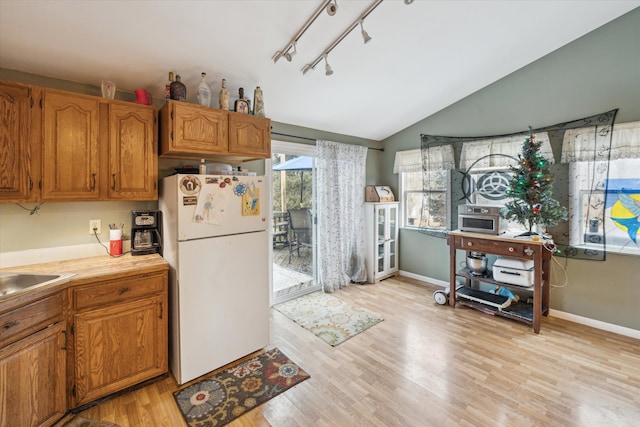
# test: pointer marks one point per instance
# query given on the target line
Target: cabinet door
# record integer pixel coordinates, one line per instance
(133, 169)
(392, 238)
(33, 379)
(249, 135)
(16, 181)
(70, 147)
(118, 346)
(195, 129)
(381, 238)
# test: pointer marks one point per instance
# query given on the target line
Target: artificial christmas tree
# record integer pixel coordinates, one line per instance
(530, 190)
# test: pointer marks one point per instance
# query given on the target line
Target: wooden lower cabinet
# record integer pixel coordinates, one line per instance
(121, 341)
(33, 379)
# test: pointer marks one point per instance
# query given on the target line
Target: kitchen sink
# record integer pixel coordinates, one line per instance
(11, 282)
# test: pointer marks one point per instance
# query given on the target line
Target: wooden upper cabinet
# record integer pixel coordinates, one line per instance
(70, 148)
(193, 132)
(188, 129)
(16, 179)
(249, 135)
(133, 156)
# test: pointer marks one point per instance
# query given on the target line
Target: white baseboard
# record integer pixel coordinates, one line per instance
(429, 280)
(597, 324)
(609, 327)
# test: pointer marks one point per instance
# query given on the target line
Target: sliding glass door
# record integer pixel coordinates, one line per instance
(293, 220)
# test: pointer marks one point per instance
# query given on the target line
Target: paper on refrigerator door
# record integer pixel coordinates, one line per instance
(212, 203)
(251, 200)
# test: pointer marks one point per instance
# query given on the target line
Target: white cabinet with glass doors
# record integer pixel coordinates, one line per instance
(381, 222)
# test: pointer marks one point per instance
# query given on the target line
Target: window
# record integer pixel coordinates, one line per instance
(425, 205)
(608, 218)
(425, 196)
(486, 164)
(604, 187)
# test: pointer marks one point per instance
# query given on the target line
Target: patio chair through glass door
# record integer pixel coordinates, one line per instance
(300, 231)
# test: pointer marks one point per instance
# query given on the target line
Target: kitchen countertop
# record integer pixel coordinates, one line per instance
(86, 270)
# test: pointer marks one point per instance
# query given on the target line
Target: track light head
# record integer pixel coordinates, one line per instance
(327, 68)
(408, 1)
(332, 8)
(290, 54)
(276, 56)
(365, 36)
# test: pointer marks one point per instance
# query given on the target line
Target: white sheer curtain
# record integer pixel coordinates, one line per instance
(340, 174)
(587, 144)
(500, 153)
(431, 159)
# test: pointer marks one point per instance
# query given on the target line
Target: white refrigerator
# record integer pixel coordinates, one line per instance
(216, 241)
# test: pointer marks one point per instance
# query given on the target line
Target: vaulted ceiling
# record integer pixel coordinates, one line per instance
(423, 56)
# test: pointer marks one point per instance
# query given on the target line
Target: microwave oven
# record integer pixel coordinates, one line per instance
(481, 219)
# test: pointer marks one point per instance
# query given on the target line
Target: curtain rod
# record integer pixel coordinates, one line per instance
(311, 139)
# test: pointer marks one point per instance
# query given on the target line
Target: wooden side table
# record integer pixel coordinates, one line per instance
(508, 246)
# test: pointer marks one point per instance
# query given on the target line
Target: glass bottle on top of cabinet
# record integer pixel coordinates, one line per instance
(177, 90)
(204, 92)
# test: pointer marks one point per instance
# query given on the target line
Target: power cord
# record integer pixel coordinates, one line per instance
(33, 211)
(95, 233)
(551, 247)
(564, 272)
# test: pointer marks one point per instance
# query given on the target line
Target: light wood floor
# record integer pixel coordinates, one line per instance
(431, 365)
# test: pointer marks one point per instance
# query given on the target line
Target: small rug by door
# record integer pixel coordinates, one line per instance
(328, 317)
(221, 398)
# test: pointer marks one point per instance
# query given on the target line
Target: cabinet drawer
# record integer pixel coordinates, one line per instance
(26, 320)
(118, 290)
(493, 246)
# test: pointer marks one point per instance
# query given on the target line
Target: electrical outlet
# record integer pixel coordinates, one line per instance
(95, 223)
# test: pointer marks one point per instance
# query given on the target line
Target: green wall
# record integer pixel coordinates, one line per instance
(596, 73)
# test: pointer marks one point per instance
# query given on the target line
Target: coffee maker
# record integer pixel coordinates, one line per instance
(145, 232)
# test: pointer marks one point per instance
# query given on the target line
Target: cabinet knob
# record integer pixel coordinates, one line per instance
(511, 249)
(125, 290)
(469, 244)
(528, 251)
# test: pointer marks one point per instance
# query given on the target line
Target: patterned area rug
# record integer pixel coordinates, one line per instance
(219, 399)
(328, 317)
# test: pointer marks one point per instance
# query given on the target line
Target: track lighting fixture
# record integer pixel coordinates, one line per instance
(332, 8)
(328, 71)
(408, 1)
(365, 36)
(288, 55)
(329, 5)
(327, 68)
